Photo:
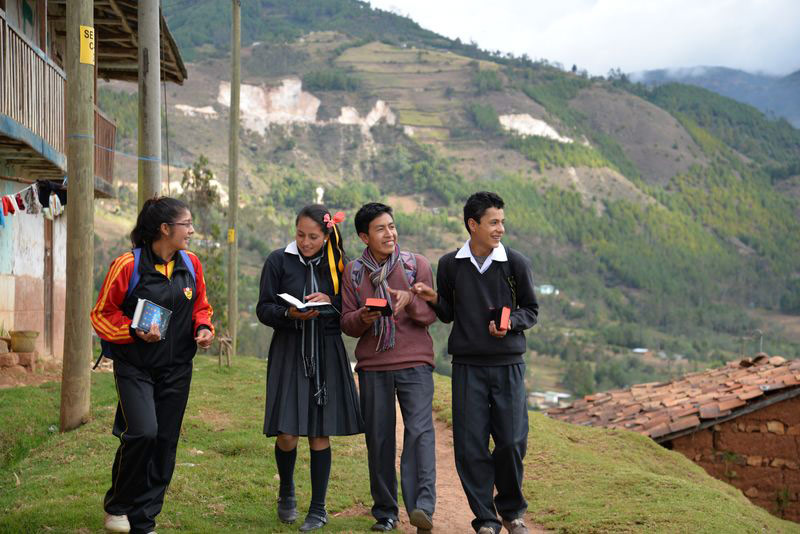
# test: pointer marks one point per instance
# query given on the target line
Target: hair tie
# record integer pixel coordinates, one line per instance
(336, 219)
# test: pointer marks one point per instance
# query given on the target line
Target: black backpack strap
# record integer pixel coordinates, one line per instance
(510, 279)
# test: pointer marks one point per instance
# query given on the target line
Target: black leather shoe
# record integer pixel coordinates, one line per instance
(313, 522)
(384, 525)
(420, 519)
(287, 509)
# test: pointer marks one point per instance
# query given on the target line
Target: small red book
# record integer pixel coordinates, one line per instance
(502, 317)
(375, 304)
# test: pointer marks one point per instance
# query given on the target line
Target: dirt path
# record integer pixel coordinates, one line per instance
(452, 510)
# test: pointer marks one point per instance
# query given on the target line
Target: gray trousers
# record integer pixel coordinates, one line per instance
(414, 390)
(490, 401)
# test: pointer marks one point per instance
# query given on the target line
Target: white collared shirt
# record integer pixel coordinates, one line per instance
(498, 254)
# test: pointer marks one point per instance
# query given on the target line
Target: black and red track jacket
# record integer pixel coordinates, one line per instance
(186, 298)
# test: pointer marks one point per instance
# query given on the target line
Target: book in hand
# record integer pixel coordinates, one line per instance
(304, 306)
(382, 305)
(148, 313)
(501, 317)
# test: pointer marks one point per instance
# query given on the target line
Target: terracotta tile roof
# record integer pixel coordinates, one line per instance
(664, 410)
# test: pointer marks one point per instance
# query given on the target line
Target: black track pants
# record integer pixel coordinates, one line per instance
(148, 423)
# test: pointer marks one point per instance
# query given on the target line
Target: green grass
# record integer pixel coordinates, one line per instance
(578, 480)
(231, 486)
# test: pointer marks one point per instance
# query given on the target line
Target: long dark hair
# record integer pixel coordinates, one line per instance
(155, 212)
(334, 249)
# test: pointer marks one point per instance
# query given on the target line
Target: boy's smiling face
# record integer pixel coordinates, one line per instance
(487, 233)
(382, 236)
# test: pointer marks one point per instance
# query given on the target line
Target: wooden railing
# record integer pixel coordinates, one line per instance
(105, 136)
(32, 87)
(32, 92)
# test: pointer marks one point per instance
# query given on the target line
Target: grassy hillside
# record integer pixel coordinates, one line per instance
(578, 480)
(669, 221)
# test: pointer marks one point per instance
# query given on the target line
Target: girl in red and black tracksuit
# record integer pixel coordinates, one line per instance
(152, 369)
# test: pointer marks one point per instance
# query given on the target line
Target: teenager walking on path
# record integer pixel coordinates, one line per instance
(488, 368)
(395, 359)
(152, 369)
(310, 386)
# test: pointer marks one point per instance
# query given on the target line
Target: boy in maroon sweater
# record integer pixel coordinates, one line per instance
(395, 359)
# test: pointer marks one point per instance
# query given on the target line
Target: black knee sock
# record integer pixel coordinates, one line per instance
(320, 473)
(285, 461)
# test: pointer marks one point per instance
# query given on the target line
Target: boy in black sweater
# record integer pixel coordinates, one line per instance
(489, 395)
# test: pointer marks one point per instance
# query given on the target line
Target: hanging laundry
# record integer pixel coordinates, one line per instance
(31, 198)
(8, 205)
(18, 200)
(46, 187)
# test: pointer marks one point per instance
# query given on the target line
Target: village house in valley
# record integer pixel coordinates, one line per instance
(741, 423)
(33, 147)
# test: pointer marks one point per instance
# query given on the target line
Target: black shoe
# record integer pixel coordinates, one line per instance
(384, 525)
(287, 509)
(313, 522)
(420, 519)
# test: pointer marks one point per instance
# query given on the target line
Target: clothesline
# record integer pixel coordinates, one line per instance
(107, 149)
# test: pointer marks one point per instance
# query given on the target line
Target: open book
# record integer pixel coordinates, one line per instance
(302, 305)
(147, 313)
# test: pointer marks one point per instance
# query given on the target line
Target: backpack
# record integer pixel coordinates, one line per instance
(105, 346)
(507, 273)
(407, 259)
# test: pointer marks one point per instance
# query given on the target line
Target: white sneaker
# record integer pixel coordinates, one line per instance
(116, 523)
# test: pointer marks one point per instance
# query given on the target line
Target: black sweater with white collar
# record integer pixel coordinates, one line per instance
(467, 298)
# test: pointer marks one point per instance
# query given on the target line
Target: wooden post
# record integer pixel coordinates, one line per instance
(76, 374)
(233, 185)
(149, 31)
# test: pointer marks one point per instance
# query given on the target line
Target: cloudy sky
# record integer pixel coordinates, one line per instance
(597, 35)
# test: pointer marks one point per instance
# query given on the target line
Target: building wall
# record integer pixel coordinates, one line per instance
(759, 453)
(22, 269)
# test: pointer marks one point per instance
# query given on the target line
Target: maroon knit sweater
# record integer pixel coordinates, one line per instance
(413, 345)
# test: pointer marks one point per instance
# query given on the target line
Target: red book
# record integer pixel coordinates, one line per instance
(501, 317)
(375, 304)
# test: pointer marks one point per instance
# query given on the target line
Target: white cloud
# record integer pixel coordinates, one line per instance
(755, 35)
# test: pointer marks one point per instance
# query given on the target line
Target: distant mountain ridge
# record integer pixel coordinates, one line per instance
(777, 96)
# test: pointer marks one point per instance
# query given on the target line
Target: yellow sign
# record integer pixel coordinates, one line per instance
(87, 45)
(231, 235)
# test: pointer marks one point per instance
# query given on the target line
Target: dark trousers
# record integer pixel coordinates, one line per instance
(490, 401)
(148, 423)
(414, 390)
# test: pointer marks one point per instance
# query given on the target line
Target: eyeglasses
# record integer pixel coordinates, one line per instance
(186, 224)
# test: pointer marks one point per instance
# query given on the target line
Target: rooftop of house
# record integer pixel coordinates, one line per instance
(668, 410)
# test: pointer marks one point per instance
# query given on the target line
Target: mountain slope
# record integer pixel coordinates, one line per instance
(663, 214)
(773, 95)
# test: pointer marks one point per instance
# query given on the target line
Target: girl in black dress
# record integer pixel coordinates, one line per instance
(310, 387)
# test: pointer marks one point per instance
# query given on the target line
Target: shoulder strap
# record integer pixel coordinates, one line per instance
(509, 276)
(134, 279)
(189, 265)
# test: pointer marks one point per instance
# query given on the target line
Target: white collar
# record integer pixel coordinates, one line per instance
(498, 254)
(291, 248)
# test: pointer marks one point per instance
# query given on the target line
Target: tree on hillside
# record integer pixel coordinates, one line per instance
(201, 193)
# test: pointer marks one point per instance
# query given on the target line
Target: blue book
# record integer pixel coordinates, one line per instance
(148, 313)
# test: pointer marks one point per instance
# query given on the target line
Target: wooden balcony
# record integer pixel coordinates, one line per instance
(32, 113)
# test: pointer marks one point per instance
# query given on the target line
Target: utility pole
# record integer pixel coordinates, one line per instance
(76, 373)
(233, 182)
(149, 99)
